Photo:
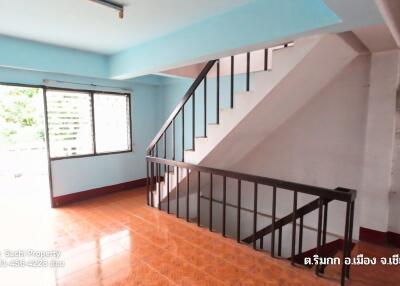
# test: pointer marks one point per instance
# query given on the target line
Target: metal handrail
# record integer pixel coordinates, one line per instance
(158, 170)
(154, 178)
(341, 195)
(181, 104)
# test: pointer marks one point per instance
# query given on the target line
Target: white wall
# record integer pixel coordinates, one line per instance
(321, 145)
(380, 130)
(394, 195)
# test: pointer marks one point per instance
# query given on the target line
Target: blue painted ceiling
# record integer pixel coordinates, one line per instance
(80, 38)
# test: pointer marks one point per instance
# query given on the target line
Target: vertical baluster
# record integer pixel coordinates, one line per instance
(217, 92)
(301, 235)
(273, 222)
(248, 73)
(168, 199)
(266, 59)
(198, 198)
(205, 106)
(325, 225)
(157, 178)
(239, 199)
(262, 242)
(345, 244)
(224, 207)
(183, 133)
(211, 202)
(152, 183)
(187, 194)
(153, 187)
(350, 236)
(193, 120)
(320, 204)
(255, 215)
(159, 185)
(280, 242)
(177, 192)
(324, 229)
(294, 226)
(173, 139)
(165, 152)
(165, 147)
(147, 182)
(232, 78)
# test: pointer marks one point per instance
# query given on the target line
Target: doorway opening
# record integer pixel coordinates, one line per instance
(24, 178)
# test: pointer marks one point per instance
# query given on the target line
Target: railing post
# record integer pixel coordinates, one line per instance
(320, 204)
(187, 194)
(173, 140)
(239, 199)
(248, 72)
(205, 106)
(183, 133)
(198, 198)
(266, 59)
(211, 202)
(301, 235)
(165, 152)
(280, 242)
(350, 236)
(324, 230)
(345, 244)
(232, 78)
(177, 192)
(273, 222)
(294, 226)
(224, 207)
(217, 115)
(147, 182)
(255, 215)
(168, 199)
(152, 183)
(193, 120)
(159, 185)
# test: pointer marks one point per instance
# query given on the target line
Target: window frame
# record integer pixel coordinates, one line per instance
(91, 94)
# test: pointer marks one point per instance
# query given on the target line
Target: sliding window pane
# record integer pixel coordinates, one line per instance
(70, 123)
(112, 122)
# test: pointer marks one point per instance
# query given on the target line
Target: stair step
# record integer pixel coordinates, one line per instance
(189, 150)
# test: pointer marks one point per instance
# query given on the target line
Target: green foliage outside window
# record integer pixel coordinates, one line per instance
(21, 115)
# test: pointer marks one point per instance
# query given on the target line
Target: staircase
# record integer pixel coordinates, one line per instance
(207, 129)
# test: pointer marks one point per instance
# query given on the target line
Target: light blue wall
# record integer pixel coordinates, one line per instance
(29, 55)
(75, 175)
(259, 23)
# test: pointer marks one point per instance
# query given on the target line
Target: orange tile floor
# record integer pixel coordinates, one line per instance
(119, 240)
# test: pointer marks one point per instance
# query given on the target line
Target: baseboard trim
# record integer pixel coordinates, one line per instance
(393, 238)
(93, 193)
(379, 237)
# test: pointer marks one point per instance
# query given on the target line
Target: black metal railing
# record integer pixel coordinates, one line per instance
(323, 197)
(190, 96)
(163, 167)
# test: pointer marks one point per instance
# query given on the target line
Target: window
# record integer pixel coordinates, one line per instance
(87, 123)
(111, 114)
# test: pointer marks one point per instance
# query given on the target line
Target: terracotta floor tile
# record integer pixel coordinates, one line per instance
(118, 240)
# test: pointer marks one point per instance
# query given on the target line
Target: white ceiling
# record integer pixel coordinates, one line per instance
(85, 25)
